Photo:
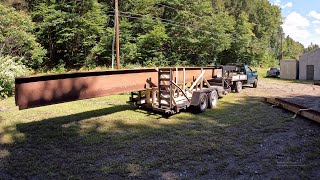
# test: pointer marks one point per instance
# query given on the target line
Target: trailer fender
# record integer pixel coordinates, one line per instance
(195, 100)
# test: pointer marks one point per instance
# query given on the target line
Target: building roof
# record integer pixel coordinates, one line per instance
(310, 52)
(287, 60)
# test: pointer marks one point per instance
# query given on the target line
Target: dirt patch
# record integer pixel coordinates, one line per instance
(274, 88)
(306, 95)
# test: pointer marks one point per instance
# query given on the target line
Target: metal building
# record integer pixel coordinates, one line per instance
(289, 69)
(310, 66)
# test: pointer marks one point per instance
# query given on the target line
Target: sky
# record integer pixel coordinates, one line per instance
(301, 20)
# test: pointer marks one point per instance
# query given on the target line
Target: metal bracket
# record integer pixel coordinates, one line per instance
(300, 110)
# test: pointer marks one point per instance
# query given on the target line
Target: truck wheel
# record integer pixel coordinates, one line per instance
(238, 86)
(212, 99)
(202, 106)
(255, 84)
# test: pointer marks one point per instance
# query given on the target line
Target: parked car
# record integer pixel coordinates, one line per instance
(273, 72)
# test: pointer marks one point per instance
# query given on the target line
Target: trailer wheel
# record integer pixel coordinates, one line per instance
(202, 106)
(212, 99)
(255, 84)
(238, 86)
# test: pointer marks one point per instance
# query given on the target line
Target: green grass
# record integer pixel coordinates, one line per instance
(106, 138)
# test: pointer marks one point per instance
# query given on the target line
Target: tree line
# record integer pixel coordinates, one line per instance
(79, 33)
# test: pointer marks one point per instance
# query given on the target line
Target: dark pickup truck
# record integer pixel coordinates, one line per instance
(238, 75)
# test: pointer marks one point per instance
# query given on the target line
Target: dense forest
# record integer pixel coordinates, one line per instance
(79, 33)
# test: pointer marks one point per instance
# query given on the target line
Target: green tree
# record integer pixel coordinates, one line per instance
(292, 49)
(159, 32)
(69, 30)
(17, 38)
(311, 47)
(240, 50)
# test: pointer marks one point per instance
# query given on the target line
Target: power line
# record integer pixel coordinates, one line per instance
(170, 23)
(166, 21)
(170, 7)
(143, 15)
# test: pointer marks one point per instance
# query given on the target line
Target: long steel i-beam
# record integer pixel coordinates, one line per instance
(35, 91)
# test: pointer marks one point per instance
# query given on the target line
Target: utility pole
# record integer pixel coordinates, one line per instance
(117, 34)
(281, 45)
(113, 40)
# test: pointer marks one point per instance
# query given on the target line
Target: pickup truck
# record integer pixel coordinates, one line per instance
(238, 75)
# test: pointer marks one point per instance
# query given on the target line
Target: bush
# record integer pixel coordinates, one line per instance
(10, 67)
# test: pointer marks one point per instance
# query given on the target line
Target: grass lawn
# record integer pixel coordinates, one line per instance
(105, 138)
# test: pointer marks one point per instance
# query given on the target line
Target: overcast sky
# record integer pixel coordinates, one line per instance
(302, 19)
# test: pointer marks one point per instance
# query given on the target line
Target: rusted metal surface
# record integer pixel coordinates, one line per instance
(35, 91)
(51, 89)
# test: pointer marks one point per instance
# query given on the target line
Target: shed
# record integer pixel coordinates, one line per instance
(310, 65)
(289, 69)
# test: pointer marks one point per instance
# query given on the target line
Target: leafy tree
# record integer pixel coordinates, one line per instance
(311, 47)
(17, 38)
(242, 40)
(69, 30)
(292, 49)
(160, 32)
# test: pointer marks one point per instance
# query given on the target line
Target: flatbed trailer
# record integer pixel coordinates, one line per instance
(167, 90)
(171, 95)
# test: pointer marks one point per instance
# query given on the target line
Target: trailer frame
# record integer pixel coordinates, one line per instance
(172, 97)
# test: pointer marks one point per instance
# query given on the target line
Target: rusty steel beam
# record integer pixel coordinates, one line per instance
(35, 91)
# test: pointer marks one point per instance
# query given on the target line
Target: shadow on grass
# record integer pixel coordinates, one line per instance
(240, 139)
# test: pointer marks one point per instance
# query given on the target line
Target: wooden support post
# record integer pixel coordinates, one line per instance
(174, 103)
(206, 81)
(177, 76)
(139, 95)
(177, 80)
(197, 80)
(159, 88)
(148, 96)
(153, 94)
(184, 79)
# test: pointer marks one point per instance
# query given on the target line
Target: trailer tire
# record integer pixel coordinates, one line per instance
(202, 106)
(238, 86)
(255, 83)
(212, 99)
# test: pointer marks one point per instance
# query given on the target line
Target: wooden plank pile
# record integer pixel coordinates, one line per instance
(309, 110)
